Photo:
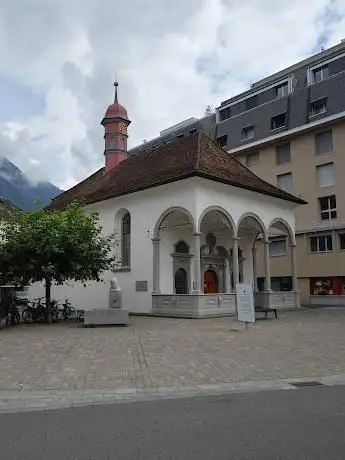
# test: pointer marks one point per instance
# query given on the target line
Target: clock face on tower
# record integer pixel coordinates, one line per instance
(123, 128)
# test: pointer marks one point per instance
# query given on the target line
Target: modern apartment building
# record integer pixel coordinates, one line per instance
(289, 128)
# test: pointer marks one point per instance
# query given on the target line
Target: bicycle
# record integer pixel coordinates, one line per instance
(13, 316)
(68, 311)
(37, 311)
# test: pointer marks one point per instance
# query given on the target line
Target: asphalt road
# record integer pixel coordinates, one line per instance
(306, 423)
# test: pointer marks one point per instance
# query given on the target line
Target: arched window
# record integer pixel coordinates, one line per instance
(181, 247)
(181, 281)
(126, 240)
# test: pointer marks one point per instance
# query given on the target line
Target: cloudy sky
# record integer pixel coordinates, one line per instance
(58, 60)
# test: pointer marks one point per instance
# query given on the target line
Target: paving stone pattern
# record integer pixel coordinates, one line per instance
(156, 353)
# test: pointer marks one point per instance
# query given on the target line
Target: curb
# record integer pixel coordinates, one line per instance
(12, 401)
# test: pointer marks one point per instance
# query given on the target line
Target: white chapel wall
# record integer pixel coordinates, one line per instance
(145, 208)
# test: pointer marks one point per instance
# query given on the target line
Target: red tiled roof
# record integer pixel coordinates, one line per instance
(195, 155)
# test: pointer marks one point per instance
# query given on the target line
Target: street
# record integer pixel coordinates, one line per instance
(304, 423)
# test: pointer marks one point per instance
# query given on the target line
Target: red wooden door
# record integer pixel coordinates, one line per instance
(210, 282)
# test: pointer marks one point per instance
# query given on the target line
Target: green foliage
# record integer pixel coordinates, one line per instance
(54, 246)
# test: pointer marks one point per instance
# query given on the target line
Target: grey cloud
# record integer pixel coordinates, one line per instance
(172, 59)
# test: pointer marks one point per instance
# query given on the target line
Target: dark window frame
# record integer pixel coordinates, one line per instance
(126, 240)
(245, 131)
(278, 151)
(319, 102)
(328, 207)
(251, 102)
(256, 155)
(275, 120)
(317, 138)
(225, 113)
(321, 243)
(222, 141)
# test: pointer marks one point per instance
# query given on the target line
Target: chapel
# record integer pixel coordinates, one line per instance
(188, 217)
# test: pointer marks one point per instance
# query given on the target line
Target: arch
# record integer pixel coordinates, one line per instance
(119, 215)
(181, 281)
(281, 224)
(221, 211)
(258, 220)
(181, 247)
(169, 211)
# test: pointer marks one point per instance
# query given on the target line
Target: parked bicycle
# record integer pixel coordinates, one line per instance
(68, 312)
(13, 316)
(37, 311)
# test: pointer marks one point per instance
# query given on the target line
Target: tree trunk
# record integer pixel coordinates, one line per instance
(48, 300)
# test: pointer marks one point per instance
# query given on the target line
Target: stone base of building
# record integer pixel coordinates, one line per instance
(327, 300)
(213, 305)
(194, 306)
(281, 300)
(106, 317)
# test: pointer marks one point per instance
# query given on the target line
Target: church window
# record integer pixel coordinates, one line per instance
(126, 240)
(181, 247)
(113, 142)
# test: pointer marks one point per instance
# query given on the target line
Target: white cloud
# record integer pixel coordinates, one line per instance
(172, 58)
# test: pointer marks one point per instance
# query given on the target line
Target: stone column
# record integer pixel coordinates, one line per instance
(294, 267)
(235, 267)
(156, 260)
(255, 279)
(196, 263)
(267, 266)
(227, 277)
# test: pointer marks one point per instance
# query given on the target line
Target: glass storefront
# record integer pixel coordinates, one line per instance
(327, 286)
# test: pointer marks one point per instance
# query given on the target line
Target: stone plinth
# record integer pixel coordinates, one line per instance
(106, 317)
(115, 298)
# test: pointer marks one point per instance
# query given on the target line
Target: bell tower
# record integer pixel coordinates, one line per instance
(115, 124)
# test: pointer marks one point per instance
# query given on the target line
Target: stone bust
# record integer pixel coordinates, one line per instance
(114, 285)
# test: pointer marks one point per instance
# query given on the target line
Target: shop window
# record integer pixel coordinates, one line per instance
(327, 286)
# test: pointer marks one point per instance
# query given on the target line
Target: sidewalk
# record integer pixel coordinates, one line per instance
(161, 353)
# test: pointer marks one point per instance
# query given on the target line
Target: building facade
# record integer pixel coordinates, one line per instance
(289, 129)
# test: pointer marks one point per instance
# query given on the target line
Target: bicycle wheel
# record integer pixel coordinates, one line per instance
(17, 317)
(27, 315)
(72, 313)
(55, 315)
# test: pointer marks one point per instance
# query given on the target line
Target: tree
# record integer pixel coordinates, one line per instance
(54, 246)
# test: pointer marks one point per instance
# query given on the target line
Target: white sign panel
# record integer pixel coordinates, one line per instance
(245, 303)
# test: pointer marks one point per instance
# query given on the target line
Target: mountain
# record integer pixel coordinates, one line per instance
(7, 208)
(17, 188)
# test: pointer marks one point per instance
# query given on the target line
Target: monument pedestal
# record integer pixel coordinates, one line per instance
(114, 315)
(106, 317)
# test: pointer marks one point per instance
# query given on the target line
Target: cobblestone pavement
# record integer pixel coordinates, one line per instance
(159, 352)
